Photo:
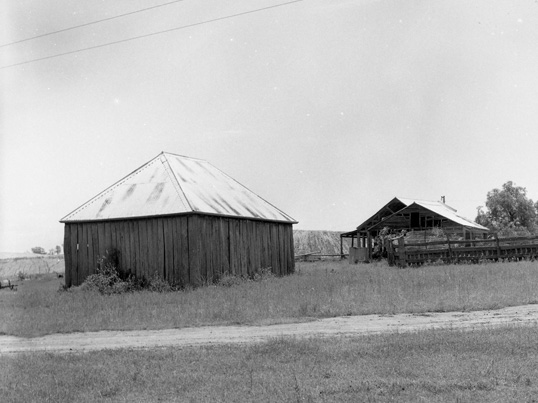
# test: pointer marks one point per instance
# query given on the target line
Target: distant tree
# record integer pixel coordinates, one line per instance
(508, 210)
(58, 249)
(39, 250)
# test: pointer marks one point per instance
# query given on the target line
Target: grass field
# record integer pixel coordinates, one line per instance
(317, 290)
(491, 365)
(496, 365)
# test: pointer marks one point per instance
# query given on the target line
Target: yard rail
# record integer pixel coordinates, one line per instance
(454, 251)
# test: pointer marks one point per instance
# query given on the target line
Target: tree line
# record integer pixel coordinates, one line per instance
(509, 211)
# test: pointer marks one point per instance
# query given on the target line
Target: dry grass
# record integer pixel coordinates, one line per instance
(322, 289)
(496, 365)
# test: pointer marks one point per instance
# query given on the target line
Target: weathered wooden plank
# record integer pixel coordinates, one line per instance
(254, 249)
(275, 255)
(135, 239)
(175, 243)
(283, 250)
(233, 247)
(182, 224)
(95, 248)
(133, 247)
(89, 243)
(216, 264)
(159, 248)
(244, 248)
(75, 254)
(83, 248)
(102, 241)
(224, 245)
(117, 240)
(168, 249)
(203, 253)
(207, 252)
(195, 250)
(264, 263)
(67, 256)
(151, 253)
(121, 241)
(292, 249)
(108, 238)
(128, 253)
(143, 247)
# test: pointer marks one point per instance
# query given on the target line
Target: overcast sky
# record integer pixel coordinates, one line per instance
(325, 108)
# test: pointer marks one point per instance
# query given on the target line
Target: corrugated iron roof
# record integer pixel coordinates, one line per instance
(450, 213)
(174, 184)
(435, 206)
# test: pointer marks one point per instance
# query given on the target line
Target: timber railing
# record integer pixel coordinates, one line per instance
(466, 250)
(311, 256)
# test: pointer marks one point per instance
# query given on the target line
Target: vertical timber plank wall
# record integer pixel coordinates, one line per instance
(183, 249)
(67, 255)
(168, 244)
(194, 234)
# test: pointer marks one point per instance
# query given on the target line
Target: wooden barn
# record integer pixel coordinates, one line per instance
(182, 219)
(410, 215)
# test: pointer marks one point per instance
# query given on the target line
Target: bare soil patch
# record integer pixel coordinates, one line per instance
(347, 326)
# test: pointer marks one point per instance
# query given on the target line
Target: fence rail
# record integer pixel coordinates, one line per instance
(402, 254)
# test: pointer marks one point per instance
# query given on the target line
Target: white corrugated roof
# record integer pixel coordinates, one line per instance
(450, 213)
(174, 184)
(444, 210)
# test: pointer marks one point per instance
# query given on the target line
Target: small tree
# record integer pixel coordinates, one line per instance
(58, 250)
(509, 210)
(39, 250)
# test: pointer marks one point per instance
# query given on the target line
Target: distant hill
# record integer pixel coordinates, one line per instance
(328, 242)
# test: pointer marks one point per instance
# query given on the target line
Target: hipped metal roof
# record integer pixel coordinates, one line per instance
(171, 184)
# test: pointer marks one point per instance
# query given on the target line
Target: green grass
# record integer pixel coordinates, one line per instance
(494, 365)
(317, 290)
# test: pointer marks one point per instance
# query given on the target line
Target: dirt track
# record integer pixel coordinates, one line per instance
(341, 326)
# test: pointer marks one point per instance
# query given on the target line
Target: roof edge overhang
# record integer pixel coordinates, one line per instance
(349, 234)
(189, 213)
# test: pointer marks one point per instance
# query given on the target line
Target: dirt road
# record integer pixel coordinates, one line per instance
(341, 326)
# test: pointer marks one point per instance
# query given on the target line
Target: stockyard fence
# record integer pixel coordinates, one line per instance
(402, 254)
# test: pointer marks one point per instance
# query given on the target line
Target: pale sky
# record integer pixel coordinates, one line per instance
(326, 108)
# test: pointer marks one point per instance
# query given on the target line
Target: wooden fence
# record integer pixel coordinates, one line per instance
(454, 251)
(314, 256)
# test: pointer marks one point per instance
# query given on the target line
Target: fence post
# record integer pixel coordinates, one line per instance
(402, 256)
(498, 246)
(449, 248)
(390, 251)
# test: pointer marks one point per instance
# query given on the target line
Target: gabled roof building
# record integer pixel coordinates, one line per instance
(413, 215)
(182, 219)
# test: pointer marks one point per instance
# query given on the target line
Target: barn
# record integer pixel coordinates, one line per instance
(413, 216)
(181, 219)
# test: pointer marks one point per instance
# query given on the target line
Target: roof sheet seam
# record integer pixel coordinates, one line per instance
(175, 183)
